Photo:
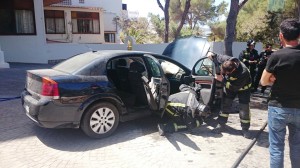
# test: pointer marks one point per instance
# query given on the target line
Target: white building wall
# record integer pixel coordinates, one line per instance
(27, 48)
(114, 6)
(77, 38)
(237, 47)
(87, 3)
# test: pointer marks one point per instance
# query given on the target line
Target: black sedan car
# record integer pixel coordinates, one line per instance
(94, 91)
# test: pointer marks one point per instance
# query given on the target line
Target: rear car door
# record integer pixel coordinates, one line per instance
(204, 74)
(158, 83)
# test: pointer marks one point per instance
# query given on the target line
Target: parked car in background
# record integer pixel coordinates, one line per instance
(96, 90)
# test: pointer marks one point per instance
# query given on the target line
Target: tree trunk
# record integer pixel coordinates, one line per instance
(231, 24)
(230, 27)
(183, 18)
(167, 18)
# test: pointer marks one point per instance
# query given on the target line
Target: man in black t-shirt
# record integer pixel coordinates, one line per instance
(282, 70)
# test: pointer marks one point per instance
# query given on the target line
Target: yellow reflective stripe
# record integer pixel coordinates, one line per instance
(181, 126)
(232, 78)
(224, 115)
(245, 121)
(176, 104)
(227, 85)
(169, 111)
(197, 123)
(246, 87)
(175, 126)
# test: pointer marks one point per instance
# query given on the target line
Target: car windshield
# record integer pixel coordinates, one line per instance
(76, 63)
(189, 50)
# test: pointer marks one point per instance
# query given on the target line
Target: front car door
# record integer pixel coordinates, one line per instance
(158, 83)
(204, 74)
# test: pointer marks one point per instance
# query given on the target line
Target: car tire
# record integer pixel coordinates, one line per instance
(101, 120)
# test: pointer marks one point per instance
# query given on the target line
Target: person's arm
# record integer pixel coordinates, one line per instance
(220, 58)
(267, 78)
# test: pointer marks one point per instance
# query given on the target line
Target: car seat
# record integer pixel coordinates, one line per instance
(122, 75)
(137, 84)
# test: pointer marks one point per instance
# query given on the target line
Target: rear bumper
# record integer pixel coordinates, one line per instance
(49, 114)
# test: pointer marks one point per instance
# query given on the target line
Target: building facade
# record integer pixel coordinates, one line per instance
(28, 26)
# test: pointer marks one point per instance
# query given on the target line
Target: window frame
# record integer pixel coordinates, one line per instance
(84, 18)
(110, 34)
(13, 6)
(55, 16)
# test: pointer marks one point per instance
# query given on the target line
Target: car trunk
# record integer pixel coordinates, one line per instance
(34, 79)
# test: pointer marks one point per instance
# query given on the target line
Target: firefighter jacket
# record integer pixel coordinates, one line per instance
(247, 55)
(239, 79)
(182, 103)
(264, 56)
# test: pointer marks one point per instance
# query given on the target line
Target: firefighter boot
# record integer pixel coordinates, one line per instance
(165, 128)
(246, 133)
(219, 129)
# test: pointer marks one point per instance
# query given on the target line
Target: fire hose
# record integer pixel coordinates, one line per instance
(9, 98)
(244, 153)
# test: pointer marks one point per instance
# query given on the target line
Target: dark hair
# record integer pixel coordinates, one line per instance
(228, 66)
(268, 45)
(290, 29)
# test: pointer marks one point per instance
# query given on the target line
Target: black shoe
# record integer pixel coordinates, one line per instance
(246, 133)
(219, 129)
(161, 131)
(253, 90)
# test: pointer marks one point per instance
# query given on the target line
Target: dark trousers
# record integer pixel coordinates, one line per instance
(180, 120)
(257, 79)
(252, 74)
(244, 109)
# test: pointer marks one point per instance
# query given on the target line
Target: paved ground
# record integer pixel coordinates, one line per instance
(136, 144)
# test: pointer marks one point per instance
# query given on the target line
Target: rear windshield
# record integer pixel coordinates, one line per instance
(76, 63)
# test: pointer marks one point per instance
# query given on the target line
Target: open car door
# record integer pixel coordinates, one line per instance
(204, 74)
(159, 86)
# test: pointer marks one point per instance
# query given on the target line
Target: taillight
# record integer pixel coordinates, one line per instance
(49, 88)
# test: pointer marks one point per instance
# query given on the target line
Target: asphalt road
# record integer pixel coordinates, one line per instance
(135, 144)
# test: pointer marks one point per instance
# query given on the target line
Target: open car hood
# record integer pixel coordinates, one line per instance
(187, 50)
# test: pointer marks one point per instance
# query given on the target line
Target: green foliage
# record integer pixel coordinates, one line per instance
(218, 31)
(251, 19)
(256, 22)
(139, 29)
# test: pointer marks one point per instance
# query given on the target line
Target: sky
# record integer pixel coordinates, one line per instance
(143, 7)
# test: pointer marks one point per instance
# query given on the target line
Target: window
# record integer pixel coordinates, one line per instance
(205, 67)
(54, 22)
(110, 37)
(85, 22)
(81, 1)
(66, 2)
(154, 67)
(17, 17)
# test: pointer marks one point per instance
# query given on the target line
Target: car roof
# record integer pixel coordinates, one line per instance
(78, 63)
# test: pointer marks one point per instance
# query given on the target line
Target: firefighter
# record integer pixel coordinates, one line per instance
(264, 56)
(184, 110)
(250, 58)
(237, 82)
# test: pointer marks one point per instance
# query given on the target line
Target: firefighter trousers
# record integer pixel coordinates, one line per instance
(180, 121)
(244, 109)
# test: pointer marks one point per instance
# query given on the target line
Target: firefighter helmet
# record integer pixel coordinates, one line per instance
(250, 42)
